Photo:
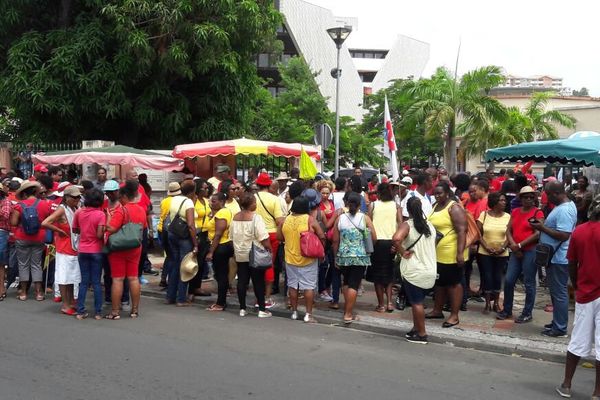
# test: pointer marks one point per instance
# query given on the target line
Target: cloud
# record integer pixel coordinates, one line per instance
(526, 37)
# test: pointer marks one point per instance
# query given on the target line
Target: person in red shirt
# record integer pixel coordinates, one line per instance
(124, 263)
(372, 188)
(5, 210)
(522, 239)
(30, 247)
(585, 277)
(67, 273)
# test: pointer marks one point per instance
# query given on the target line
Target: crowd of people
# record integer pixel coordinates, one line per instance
(421, 235)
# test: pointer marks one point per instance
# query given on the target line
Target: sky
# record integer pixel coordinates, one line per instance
(525, 37)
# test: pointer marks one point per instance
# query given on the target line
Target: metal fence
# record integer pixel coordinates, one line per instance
(47, 147)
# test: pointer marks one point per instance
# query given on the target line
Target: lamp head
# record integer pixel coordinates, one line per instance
(339, 34)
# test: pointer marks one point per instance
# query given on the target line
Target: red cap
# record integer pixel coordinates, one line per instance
(263, 179)
(40, 168)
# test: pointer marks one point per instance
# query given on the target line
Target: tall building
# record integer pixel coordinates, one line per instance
(304, 33)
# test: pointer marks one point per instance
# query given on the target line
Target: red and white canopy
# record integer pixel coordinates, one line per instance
(245, 147)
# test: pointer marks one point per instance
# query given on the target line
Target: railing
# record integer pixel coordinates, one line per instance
(47, 147)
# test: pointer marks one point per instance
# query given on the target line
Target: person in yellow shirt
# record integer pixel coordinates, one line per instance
(165, 205)
(449, 219)
(268, 206)
(221, 248)
(202, 208)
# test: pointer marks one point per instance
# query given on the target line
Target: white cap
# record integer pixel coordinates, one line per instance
(405, 172)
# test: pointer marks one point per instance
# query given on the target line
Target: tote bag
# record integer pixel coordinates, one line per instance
(128, 237)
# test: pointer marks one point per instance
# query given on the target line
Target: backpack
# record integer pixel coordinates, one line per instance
(30, 220)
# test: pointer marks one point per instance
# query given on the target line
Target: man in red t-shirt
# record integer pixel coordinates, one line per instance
(30, 246)
(583, 256)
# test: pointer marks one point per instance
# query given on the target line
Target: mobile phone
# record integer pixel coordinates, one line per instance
(532, 220)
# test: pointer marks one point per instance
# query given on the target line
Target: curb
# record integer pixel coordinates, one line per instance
(537, 349)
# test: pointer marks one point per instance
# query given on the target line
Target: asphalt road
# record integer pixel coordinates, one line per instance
(189, 353)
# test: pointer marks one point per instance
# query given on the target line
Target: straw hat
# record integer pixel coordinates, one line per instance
(174, 189)
(27, 185)
(525, 190)
(189, 267)
(283, 176)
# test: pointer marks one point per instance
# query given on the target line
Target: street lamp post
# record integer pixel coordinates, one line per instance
(338, 35)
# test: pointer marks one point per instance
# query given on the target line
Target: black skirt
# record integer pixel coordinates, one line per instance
(381, 270)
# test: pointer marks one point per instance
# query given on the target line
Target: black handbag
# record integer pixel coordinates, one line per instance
(179, 226)
(544, 253)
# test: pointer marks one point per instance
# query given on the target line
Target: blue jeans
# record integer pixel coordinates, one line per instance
(558, 278)
(516, 266)
(90, 265)
(336, 283)
(177, 290)
(491, 268)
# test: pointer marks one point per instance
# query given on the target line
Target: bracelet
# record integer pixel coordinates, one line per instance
(519, 244)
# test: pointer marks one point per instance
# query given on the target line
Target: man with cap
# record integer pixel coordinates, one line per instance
(268, 207)
(556, 231)
(424, 186)
(38, 171)
(222, 173)
(282, 183)
(30, 245)
(584, 271)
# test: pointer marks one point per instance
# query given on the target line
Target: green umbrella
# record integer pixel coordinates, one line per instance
(583, 151)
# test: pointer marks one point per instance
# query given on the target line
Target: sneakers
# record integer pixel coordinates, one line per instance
(325, 297)
(563, 391)
(243, 313)
(308, 318)
(547, 327)
(415, 338)
(556, 334)
(264, 314)
(410, 333)
(523, 319)
(294, 315)
(269, 304)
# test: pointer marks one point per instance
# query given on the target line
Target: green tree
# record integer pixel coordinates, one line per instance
(581, 92)
(450, 107)
(293, 114)
(412, 143)
(540, 122)
(141, 72)
(535, 122)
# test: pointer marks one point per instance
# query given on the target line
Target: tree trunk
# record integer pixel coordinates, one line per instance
(64, 19)
(450, 150)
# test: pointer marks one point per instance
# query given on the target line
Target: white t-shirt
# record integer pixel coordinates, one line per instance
(338, 200)
(185, 204)
(244, 233)
(425, 203)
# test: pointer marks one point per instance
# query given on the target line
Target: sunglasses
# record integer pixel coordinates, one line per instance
(528, 196)
(74, 197)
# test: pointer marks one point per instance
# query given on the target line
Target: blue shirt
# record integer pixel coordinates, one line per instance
(562, 218)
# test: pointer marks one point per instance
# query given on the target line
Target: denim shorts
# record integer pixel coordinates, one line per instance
(415, 294)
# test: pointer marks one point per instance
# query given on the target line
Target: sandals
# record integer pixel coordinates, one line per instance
(39, 297)
(69, 311)
(215, 307)
(348, 321)
(390, 308)
(2, 296)
(22, 297)
(82, 316)
(134, 313)
(112, 316)
(380, 309)
(447, 324)
(334, 306)
(433, 316)
(97, 317)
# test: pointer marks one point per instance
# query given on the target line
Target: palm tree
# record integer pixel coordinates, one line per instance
(541, 123)
(450, 107)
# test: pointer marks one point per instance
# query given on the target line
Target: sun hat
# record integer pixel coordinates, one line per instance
(111, 186)
(72, 191)
(525, 190)
(16, 179)
(27, 185)
(60, 189)
(174, 189)
(313, 197)
(263, 179)
(283, 176)
(189, 267)
(223, 168)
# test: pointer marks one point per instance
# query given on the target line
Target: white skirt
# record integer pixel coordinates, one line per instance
(67, 270)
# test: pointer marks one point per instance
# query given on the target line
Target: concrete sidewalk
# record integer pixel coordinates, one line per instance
(476, 330)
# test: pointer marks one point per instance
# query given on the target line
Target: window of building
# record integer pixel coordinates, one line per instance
(263, 60)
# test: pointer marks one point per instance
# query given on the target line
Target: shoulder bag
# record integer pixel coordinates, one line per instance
(367, 237)
(260, 258)
(544, 253)
(179, 226)
(128, 237)
(310, 244)
(266, 209)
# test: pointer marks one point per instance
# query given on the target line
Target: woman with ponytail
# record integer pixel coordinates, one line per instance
(349, 248)
(415, 241)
